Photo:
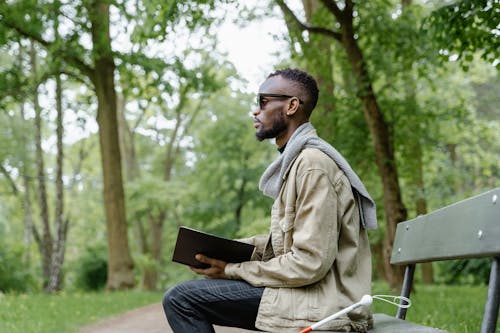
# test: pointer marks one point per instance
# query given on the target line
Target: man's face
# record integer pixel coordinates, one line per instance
(269, 117)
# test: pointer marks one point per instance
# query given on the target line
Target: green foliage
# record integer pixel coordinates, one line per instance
(465, 272)
(170, 65)
(229, 164)
(148, 197)
(466, 27)
(91, 269)
(14, 275)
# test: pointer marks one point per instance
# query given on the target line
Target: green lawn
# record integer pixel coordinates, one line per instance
(457, 309)
(65, 312)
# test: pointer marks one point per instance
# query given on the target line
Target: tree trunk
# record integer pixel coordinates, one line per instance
(383, 147)
(120, 265)
(378, 256)
(46, 240)
(150, 275)
(421, 206)
(127, 143)
(59, 245)
(381, 135)
(27, 206)
(420, 200)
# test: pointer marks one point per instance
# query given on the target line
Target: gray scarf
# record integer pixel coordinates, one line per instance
(304, 137)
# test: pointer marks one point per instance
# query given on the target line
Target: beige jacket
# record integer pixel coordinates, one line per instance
(317, 259)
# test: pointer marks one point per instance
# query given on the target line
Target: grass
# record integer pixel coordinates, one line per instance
(65, 312)
(457, 309)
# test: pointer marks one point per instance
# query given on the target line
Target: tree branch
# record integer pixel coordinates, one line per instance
(9, 178)
(349, 5)
(333, 8)
(289, 15)
(36, 236)
(22, 30)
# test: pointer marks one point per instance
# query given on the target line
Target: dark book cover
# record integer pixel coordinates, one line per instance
(191, 242)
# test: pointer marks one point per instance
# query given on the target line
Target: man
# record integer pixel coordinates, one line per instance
(316, 259)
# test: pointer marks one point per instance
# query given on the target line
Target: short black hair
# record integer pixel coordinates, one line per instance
(305, 81)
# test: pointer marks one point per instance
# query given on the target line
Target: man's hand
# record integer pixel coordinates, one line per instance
(216, 269)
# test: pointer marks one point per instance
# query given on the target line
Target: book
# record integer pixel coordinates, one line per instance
(191, 242)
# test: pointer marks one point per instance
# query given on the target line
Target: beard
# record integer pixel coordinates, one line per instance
(278, 126)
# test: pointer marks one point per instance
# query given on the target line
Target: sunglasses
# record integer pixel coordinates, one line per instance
(261, 99)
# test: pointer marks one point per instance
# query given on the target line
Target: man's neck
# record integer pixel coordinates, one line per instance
(282, 139)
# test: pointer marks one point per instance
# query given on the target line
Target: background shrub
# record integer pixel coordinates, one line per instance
(92, 269)
(466, 271)
(14, 273)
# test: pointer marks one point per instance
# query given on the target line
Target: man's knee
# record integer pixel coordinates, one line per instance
(175, 297)
(169, 299)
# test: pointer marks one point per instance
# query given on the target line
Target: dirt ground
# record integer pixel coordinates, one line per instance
(148, 319)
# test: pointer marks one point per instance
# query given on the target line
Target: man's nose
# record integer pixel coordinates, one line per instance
(256, 111)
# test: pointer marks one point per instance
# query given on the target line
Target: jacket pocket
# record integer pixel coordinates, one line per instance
(286, 225)
(287, 222)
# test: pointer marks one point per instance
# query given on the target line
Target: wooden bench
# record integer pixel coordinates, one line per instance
(466, 229)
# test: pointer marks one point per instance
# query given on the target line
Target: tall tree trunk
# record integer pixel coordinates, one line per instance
(120, 265)
(46, 240)
(127, 142)
(150, 274)
(60, 225)
(383, 147)
(421, 206)
(417, 153)
(27, 205)
(395, 210)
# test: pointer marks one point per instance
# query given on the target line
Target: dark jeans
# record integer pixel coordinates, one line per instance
(194, 306)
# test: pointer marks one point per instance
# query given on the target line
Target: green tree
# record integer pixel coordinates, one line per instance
(228, 166)
(156, 102)
(344, 31)
(95, 65)
(99, 69)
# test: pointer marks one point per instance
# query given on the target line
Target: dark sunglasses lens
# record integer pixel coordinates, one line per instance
(260, 101)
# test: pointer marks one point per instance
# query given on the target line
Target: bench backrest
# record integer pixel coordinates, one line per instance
(466, 229)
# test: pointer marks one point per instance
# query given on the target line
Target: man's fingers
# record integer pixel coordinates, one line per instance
(216, 269)
(207, 260)
(202, 258)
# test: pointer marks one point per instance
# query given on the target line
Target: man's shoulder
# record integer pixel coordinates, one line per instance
(314, 154)
(315, 158)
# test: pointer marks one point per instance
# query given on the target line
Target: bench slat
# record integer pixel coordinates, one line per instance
(453, 232)
(387, 324)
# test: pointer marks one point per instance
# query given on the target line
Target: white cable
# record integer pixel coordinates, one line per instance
(395, 300)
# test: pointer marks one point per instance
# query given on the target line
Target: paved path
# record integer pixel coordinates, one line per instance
(148, 319)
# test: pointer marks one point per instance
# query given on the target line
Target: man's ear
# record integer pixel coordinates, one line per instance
(293, 106)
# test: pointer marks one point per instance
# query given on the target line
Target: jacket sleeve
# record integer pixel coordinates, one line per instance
(259, 242)
(314, 237)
